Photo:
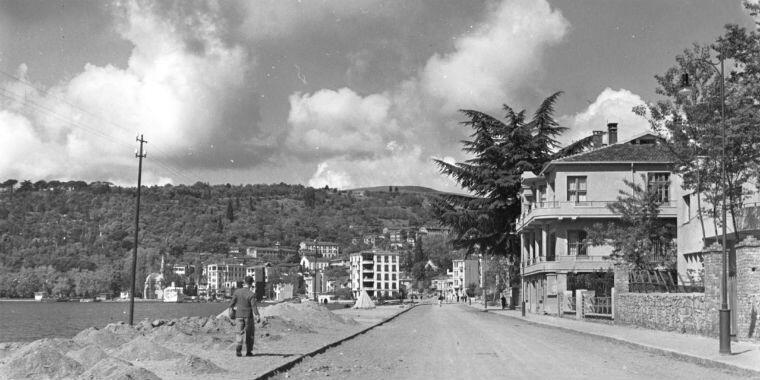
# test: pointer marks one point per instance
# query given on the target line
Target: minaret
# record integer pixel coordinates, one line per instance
(162, 265)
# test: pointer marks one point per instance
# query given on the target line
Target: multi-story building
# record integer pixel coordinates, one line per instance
(270, 253)
(464, 273)
(377, 272)
(224, 276)
(313, 262)
(569, 196)
(322, 248)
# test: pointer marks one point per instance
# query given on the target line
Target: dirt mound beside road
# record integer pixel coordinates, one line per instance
(40, 361)
(88, 355)
(193, 365)
(104, 338)
(117, 369)
(308, 313)
(142, 348)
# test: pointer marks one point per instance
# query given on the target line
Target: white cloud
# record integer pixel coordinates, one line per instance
(329, 122)
(611, 106)
(418, 117)
(180, 78)
(502, 55)
(408, 167)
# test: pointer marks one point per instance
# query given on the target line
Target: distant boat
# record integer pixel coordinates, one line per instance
(174, 294)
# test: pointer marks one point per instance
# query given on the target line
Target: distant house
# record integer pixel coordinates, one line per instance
(270, 253)
(431, 265)
(312, 262)
(322, 248)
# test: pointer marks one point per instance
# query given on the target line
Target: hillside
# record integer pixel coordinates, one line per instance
(91, 227)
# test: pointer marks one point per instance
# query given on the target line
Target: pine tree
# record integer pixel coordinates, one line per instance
(502, 151)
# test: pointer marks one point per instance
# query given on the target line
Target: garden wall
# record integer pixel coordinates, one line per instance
(681, 312)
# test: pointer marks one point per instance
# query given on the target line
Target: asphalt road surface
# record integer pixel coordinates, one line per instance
(457, 342)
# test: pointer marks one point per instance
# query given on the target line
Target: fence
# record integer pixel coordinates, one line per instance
(568, 304)
(660, 281)
(599, 307)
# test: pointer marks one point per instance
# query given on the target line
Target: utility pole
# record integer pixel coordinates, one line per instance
(140, 156)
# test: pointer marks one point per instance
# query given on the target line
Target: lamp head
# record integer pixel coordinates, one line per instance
(685, 89)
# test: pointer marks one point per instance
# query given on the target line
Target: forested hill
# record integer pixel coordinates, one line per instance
(91, 226)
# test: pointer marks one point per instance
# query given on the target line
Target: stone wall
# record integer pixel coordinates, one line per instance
(681, 312)
(748, 288)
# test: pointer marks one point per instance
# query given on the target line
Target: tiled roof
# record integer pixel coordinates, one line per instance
(623, 153)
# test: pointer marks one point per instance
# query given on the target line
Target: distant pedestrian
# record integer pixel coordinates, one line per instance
(457, 298)
(440, 300)
(503, 302)
(242, 309)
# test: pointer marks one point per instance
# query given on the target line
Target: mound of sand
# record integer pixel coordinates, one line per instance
(142, 348)
(7, 348)
(193, 365)
(88, 355)
(103, 338)
(117, 369)
(307, 313)
(41, 361)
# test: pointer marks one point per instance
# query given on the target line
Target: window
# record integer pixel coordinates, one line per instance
(541, 199)
(687, 207)
(393, 277)
(550, 246)
(386, 267)
(576, 189)
(393, 286)
(659, 183)
(576, 243)
(386, 277)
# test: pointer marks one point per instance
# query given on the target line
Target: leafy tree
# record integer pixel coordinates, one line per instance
(693, 124)
(639, 237)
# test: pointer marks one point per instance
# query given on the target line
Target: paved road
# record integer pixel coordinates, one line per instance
(457, 342)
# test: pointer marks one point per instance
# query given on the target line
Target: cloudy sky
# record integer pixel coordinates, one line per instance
(345, 93)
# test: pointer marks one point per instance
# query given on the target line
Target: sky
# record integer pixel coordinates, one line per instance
(343, 93)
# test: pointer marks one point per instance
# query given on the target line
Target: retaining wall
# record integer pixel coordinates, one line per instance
(682, 312)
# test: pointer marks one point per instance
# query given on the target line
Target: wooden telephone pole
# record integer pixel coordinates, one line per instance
(140, 156)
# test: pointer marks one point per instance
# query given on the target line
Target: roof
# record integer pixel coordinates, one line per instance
(645, 148)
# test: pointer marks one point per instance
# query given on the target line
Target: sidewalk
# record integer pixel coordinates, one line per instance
(702, 350)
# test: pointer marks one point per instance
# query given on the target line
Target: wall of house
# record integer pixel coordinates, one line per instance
(603, 181)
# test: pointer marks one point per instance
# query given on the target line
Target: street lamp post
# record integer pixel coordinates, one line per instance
(724, 314)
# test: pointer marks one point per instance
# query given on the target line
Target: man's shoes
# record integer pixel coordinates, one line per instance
(249, 354)
(238, 354)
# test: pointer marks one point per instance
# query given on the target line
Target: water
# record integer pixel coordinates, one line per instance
(28, 321)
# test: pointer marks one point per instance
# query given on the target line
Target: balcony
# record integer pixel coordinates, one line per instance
(580, 263)
(584, 209)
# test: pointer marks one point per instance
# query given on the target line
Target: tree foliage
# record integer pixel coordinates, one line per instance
(639, 237)
(693, 124)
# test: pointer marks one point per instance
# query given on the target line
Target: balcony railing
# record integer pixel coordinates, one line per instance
(570, 209)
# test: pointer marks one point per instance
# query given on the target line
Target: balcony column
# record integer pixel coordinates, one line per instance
(544, 238)
(536, 247)
(523, 253)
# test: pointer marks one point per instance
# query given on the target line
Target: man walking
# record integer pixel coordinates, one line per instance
(242, 309)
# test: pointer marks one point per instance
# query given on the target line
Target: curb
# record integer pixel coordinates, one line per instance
(705, 362)
(292, 363)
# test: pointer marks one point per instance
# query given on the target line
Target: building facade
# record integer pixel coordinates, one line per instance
(270, 253)
(224, 276)
(377, 272)
(464, 273)
(569, 196)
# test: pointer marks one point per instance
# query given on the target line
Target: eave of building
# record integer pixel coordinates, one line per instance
(553, 163)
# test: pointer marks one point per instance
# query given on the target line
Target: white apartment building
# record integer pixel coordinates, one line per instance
(464, 273)
(220, 276)
(375, 271)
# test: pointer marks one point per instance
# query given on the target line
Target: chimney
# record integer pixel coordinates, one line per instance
(597, 139)
(611, 133)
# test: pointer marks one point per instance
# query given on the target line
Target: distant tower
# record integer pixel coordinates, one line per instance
(162, 264)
